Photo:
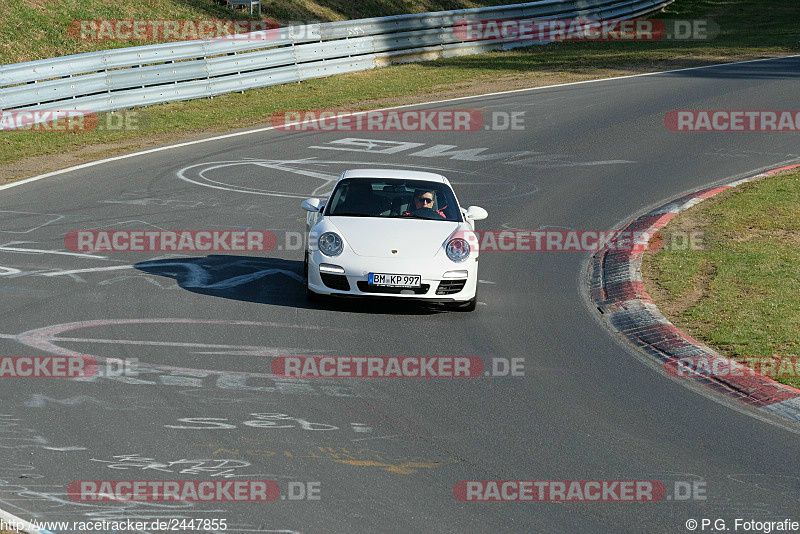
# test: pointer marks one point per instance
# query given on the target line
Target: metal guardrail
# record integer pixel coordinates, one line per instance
(122, 78)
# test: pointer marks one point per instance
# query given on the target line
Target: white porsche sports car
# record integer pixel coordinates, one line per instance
(392, 234)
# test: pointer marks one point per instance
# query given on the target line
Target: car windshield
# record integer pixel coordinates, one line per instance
(393, 198)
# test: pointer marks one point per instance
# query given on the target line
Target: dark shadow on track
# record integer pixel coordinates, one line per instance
(271, 281)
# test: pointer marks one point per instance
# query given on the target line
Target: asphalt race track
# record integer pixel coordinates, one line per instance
(385, 454)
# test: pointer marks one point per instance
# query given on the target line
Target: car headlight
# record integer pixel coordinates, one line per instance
(457, 250)
(330, 244)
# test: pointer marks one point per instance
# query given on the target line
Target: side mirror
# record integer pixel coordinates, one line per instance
(311, 204)
(475, 213)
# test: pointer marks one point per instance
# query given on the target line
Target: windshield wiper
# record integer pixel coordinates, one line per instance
(424, 218)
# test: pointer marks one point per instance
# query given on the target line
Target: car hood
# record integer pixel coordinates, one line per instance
(378, 237)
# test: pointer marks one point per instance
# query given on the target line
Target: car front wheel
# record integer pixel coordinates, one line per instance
(311, 297)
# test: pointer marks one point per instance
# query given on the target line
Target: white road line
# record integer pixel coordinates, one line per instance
(29, 230)
(91, 270)
(58, 252)
(280, 350)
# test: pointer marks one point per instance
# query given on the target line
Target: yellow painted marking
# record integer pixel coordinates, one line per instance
(405, 468)
(404, 465)
(234, 452)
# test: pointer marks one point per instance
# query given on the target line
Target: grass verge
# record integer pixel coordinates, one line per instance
(741, 294)
(748, 29)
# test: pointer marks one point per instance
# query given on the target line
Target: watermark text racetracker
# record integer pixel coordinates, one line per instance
(722, 120)
(579, 240)
(266, 240)
(172, 30)
(435, 120)
(577, 491)
(549, 30)
(190, 491)
(173, 241)
(123, 525)
(65, 367)
(47, 366)
(62, 121)
(193, 29)
(720, 366)
(393, 367)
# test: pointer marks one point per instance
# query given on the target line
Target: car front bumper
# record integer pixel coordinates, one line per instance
(354, 282)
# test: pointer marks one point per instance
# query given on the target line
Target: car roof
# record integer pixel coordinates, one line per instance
(394, 173)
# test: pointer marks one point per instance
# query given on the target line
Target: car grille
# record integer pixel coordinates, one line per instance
(364, 287)
(448, 287)
(335, 281)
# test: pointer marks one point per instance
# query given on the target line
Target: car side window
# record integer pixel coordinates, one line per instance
(337, 198)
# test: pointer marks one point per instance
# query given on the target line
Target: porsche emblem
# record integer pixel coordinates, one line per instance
(394, 252)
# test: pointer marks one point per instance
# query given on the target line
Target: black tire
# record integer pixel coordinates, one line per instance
(470, 305)
(311, 297)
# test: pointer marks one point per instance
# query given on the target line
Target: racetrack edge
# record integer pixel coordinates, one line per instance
(616, 289)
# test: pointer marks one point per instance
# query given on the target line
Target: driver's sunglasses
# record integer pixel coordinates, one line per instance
(425, 199)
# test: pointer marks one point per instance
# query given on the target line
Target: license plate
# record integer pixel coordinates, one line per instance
(395, 280)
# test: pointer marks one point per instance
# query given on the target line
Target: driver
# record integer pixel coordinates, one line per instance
(423, 198)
